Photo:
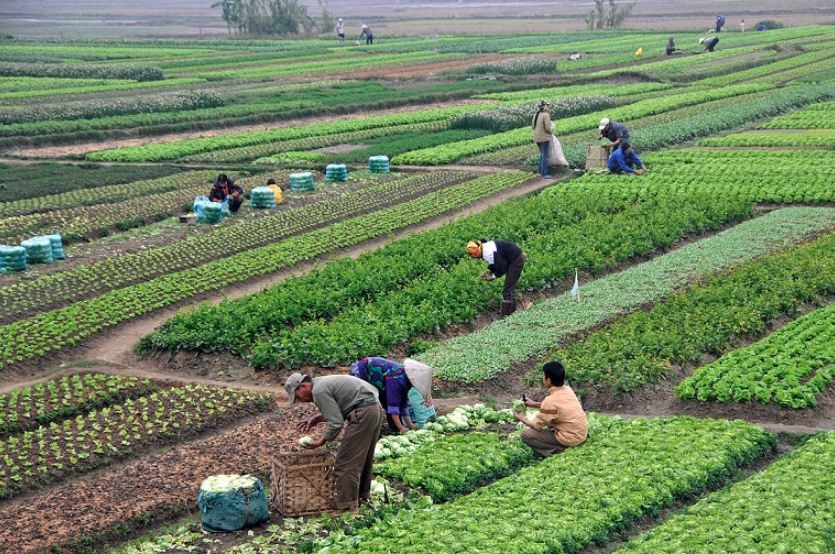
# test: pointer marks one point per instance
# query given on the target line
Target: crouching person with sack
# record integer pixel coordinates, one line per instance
(343, 399)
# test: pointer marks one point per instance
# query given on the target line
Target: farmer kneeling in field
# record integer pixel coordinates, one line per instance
(394, 382)
(342, 398)
(503, 258)
(561, 421)
(624, 160)
(224, 188)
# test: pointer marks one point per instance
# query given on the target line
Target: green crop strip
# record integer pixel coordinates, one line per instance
(774, 71)
(26, 408)
(706, 320)
(179, 149)
(515, 339)
(34, 337)
(790, 367)
(818, 138)
(816, 116)
(455, 465)
(626, 470)
(788, 507)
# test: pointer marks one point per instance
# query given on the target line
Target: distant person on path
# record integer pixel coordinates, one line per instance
(369, 35)
(709, 43)
(394, 381)
(503, 258)
(617, 133)
(543, 130)
(761, 27)
(624, 160)
(720, 22)
(225, 188)
(561, 422)
(341, 399)
(671, 47)
(742, 25)
(340, 30)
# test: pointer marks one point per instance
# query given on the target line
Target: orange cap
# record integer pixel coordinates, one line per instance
(474, 248)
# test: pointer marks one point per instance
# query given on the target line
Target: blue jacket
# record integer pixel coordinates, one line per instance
(619, 162)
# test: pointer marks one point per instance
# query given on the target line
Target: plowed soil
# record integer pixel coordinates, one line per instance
(155, 487)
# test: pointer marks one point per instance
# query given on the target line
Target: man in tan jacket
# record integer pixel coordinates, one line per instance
(561, 421)
(543, 129)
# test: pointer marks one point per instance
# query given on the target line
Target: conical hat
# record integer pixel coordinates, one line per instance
(420, 375)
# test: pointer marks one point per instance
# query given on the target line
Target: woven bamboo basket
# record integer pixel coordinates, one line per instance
(302, 483)
(597, 156)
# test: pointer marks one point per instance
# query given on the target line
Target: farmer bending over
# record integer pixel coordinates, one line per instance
(503, 258)
(624, 160)
(561, 421)
(393, 382)
(614, 131)
(224, 188)
(342, 398)
(709, 44)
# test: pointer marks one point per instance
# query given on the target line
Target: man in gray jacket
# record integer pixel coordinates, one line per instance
(340, 399)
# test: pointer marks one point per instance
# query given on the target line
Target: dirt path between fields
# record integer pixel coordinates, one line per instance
(115, 346)
(59, 151)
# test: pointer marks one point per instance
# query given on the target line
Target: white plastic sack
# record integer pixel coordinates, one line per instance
(556, 157)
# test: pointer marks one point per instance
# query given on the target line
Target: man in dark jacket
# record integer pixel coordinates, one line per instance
(503, 258)
(614, 131)
(225, 188)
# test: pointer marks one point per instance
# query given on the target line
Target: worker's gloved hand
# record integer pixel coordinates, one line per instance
(488, 276)
(315, 444)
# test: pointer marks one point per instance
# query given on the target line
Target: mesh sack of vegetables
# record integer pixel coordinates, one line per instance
(231, 502)
(13, 258)
(57, 246)
(38, 250)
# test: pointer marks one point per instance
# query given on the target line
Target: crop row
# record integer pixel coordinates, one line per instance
(455, 465)
(451, 152)
(821, 138)
(593, 244)
(179, 149)
(773, 71)
(245, 153)
(86, 109)
(43, 179)
(33, 87)
(816, 116)
(389, 145)
(626, 470)
(86, 222)
(493, 350)
(704, 321)
(102, 52)
(505, 118)
(756, 175)
(57, 289)
(34, 337)
(575, 90)
(790, 367)
(106, 194)
(52, 452)
(28, 407)
(131, 72)
(788, 507)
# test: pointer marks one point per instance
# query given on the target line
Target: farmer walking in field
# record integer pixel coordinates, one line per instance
(624, 160)
(394, 382)
(561, 421)
(340, 399)
(709, 43)
(543, 131)
(225, 188)
(720, 22)
(369, 36)
(503, 258)
(340, 30)
(616, 132)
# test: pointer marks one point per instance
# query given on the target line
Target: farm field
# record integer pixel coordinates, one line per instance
(145, 348)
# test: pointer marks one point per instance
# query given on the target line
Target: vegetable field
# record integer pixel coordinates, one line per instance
(691, 305)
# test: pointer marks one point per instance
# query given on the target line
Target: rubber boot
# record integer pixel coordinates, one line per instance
(508, 307)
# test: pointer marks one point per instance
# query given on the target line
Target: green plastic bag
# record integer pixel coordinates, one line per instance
(231, 502)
